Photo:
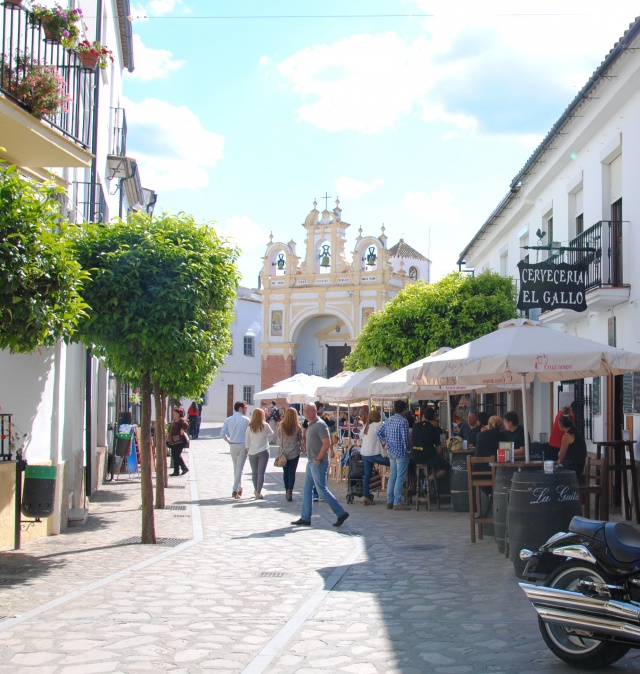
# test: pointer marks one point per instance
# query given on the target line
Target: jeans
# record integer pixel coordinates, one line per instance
(399, 467)
(238, 456)
(258, 464)
(289, 473)
(193, 425)
(368, 470)
(318, 475)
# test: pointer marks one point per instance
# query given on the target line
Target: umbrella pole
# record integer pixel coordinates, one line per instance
(449, 428)
(525, 423)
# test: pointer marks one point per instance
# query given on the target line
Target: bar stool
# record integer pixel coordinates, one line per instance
(618, 464)
(479, 474)
(596, 483)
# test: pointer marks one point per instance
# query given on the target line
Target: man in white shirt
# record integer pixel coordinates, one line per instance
(233, 431)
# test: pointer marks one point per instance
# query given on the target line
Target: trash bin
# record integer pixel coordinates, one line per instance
(38, 491)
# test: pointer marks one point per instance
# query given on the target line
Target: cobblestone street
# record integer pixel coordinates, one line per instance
(233, 587)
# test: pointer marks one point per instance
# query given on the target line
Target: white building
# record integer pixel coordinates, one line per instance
(578, 193)
(61, 397)
(239, 377)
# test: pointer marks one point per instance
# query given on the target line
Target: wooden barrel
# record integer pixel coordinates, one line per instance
(459, 481)
(38, 491)
(504, 473)
(540, 505)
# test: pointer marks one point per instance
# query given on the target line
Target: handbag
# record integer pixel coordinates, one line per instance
(280, 461)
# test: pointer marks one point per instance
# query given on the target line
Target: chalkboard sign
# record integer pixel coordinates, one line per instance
(596, 395)
(636, 392)
(627, 393)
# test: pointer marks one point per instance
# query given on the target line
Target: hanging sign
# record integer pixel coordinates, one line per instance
(552, 286)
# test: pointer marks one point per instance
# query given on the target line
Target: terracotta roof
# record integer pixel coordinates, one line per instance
(402, 249)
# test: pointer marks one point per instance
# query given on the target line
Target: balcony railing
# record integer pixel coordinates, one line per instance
(599, 248)
(24, 50)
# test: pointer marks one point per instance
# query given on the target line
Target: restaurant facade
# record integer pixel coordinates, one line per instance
(567, 233)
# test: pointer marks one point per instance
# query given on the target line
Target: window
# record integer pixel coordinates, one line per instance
(413, 272)
(579, 208)
(504, 262)
(249, 345)
(247, 394)
(550, 231)
(524, 242)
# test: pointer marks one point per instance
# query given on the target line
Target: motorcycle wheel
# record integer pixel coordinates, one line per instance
(578, 651)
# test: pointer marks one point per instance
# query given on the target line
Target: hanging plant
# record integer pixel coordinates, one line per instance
(59, 24)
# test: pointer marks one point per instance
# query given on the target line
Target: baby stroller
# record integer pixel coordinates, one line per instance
(355, 480)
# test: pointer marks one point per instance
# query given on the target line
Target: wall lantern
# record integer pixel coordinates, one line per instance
(325, 256)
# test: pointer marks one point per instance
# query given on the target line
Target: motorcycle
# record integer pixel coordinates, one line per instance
(587, 592)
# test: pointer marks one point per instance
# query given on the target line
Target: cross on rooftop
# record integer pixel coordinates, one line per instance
(326, 198)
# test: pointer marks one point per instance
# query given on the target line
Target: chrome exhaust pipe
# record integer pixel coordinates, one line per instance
(590, 614)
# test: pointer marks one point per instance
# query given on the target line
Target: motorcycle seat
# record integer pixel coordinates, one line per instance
(586, 527)
(623, 541)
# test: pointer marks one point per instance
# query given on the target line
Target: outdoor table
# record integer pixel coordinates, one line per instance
(617, 456)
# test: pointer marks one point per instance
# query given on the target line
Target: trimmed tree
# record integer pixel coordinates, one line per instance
(40, 280)
(425, 317)
(161, 293)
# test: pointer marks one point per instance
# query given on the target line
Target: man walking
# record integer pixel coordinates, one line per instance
(318, 444)
(233, 431)
(394, 434)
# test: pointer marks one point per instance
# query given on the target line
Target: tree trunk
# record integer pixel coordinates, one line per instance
(146, 485)
(161, 447)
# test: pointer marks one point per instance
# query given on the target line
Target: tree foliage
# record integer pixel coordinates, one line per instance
(161, 293)
(425, 317)
(40, 280)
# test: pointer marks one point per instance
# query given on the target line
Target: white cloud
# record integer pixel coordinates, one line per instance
(350, 188)
(437, 208)
(264, 60)
(151, 64)
(252, 240)
(467, 59)
(363, 83)
(172, 147)
(155, 7)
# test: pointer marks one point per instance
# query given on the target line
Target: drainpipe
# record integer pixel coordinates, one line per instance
(92, 216)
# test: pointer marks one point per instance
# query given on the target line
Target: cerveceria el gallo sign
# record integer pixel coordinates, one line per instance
(552, 286)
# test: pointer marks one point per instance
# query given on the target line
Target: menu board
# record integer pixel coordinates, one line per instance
(596, 395)
(636, 392)
(627, 393)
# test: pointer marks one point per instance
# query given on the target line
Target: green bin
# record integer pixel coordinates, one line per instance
(38, 491)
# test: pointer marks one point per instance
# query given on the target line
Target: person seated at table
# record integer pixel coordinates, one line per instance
(515, 434)
(489, 440)
(372, 452)
(470, 428)
(573, 449)
(483, 420)
(427, 446)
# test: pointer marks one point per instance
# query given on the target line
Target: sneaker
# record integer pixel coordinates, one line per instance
(340, 521)
(184, 471)
(389, 506)
(401, 507)
(174, 474)
(301, 523)
(316, 499)
(367, 501)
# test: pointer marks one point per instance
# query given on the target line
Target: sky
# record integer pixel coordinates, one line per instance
(416, 114)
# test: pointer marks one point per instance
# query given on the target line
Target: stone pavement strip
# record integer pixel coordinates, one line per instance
(233, 587)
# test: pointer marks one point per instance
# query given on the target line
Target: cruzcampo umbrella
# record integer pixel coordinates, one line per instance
(520, 350)
(300, 388)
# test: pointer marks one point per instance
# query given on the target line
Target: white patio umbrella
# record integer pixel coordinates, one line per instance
(395, 386)
(300, 388)
(350, 387)
(523, 349)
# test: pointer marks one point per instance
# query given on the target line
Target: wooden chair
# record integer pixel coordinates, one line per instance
(479, 475)
(596, 477)
(385, 472)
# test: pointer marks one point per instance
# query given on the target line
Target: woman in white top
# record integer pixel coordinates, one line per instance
(372, 452)
(256, 442)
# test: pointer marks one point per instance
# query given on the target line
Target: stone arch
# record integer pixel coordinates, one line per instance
(320, 341)
(272, 258)
(362, 251)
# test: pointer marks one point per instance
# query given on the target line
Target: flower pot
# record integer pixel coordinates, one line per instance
(50, 33)
(88, 60)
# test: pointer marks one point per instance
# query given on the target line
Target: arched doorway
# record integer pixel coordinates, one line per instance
(321, 344)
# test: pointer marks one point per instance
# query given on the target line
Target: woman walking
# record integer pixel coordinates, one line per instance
(192, 413)
(177, 440)
(289, 437)
(256, 442)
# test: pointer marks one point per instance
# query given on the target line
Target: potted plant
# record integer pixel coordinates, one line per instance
(92, 54)
(59, 24)
(39, 87)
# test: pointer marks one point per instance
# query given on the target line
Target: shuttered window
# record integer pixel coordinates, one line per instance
(615, 170)
(579, 202)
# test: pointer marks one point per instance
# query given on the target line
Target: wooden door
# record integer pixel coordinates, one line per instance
(229, 400)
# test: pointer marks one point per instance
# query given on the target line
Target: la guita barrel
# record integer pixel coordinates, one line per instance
(504, 473)
(540, 505)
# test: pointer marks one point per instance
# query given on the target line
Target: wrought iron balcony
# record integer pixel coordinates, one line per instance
(118, 140)
(29, 65)
(599, 249)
